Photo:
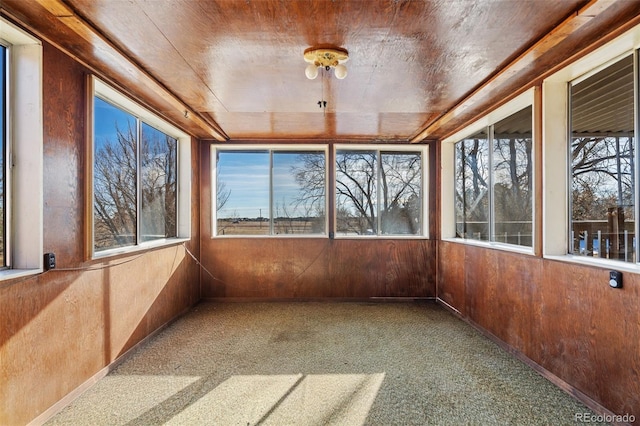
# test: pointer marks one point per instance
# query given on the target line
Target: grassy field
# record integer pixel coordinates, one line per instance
(255, 227)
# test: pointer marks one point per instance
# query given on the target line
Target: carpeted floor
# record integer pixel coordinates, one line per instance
(318, 364)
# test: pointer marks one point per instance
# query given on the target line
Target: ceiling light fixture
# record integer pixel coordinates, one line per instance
(326, 57)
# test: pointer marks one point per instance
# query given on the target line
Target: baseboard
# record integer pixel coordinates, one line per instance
(89, 383)
(319, 299)
(560, 383)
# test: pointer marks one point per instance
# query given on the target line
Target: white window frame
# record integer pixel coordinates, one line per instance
(183, 210)
(447, 197)
(24, 154)
(555, 131)
(424, 154)
(269, 148)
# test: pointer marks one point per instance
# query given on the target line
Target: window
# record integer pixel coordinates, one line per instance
(21, 155)
(603, 156)
(472, 187)
(137, 175)
(494, 182)
(590, 157)
(380, 192)
(270, 191)
(3, 150)
(488, 198)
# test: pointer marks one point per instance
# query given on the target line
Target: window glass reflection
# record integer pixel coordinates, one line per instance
(602, 164)
(242, 193)
(472, 187)
(114, 177)
(158, 175)
(513, 179)
(298, 192)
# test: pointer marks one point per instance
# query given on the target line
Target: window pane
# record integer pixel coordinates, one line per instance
(299, 192)
(400, 193)
(602, 164)
(513, 179)
(472, 188)
(3, 149)
(242, 193)
(158, 170)
(356, 196)
(114, 179)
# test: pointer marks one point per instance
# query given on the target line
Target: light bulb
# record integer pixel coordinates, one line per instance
(340, 71)
(311, 71)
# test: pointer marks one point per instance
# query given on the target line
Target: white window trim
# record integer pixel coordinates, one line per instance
(424, 153)
(183, 211)
(447, 197)
(555, 130)
(271, 148)
(25, 160)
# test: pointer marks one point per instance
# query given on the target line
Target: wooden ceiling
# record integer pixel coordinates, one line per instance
(234, 69)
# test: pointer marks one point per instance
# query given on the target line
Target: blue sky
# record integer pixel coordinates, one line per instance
(106, 117)
(246, 175)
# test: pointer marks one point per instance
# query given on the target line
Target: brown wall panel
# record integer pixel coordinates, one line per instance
(562, 316)
(59, 328)
(451, 272)
(599, 352)
(317, 268)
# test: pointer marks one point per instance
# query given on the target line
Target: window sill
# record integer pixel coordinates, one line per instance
(381, 237)
(294, 236)
(9, 274)
(139, 248)
(597, 262)
(324, 236)
(493, 245)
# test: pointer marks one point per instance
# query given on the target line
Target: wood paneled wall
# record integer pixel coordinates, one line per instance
(60, 328)
(295, 268)
(312, 268)
(562, 316)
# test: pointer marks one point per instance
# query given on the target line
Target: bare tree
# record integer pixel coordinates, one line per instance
(115, 197)
(602, 175)
(116, 209)
(356, 192)
(222, 192)
(158, 176)
(472, 174)
(368, 184)
(310, 176)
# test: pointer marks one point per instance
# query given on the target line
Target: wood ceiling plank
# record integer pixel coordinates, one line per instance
(438, 60)
(527, 61)
(99, 53)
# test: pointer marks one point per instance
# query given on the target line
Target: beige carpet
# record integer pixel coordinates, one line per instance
(319, 364)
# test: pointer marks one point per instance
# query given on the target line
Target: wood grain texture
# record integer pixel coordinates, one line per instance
(61, 327)
(599, 352)
(65, 193)
(562, 316)
(55, 22)
(594, 24)
(303, 268)
(451, 276)
(238, 66)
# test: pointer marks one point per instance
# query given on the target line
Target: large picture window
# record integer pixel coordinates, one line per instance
(603, 163)
(134, 180)
(379, 192)
(494, 182)
(270, 191)
(136, 177)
